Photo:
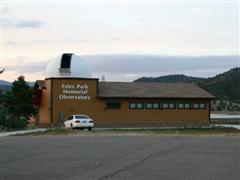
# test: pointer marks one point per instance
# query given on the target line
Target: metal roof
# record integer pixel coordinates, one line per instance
(39, 83)
(150, 90)
(145, 90)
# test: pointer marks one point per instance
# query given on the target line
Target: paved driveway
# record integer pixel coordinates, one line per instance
(120, 157)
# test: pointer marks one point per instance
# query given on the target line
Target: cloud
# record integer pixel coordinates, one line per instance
(39, 41)
(36, 42)
(23, 64)
(11, 43)
(22, 23)
(79, 40)
(38, 67)
(33, 42)
(5, 10)
(197, 10)
(75, 40)
(178, 26)
(128, 67)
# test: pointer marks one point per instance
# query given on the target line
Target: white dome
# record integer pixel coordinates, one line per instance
(78, 67)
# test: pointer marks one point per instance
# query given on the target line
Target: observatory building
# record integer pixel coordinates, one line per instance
(69, 88)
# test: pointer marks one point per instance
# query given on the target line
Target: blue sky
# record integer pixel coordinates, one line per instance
(121, 39)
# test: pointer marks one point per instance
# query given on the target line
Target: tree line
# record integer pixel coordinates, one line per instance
(16, 105)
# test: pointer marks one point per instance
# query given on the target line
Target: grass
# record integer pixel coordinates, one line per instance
(175, 131)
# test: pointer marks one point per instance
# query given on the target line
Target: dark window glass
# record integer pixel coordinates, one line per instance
(81, 117)
(66, 60)
(113, 105)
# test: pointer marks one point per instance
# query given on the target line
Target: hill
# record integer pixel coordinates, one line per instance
(5, 85)
(172, 79)
(225, 86)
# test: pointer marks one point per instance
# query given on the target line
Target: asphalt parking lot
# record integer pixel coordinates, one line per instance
(120, 157)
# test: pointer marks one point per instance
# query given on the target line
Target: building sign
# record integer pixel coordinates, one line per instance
(74, 92)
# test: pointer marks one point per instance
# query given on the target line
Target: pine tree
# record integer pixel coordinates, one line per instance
(3, 110)
(19, 103)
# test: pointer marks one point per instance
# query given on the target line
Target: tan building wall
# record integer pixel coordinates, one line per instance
(86, 90)
(45, 106)
(70, 107)
(151, 117)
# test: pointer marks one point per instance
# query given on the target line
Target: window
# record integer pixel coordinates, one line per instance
(132, 106)
(165, 105)
(156, 105)
(81, 117)
(149, 105)
(66, 60)
(184, 106)
(195, 106)
(113, 105)
(171, 105)
(187, 105)
(139, 105)
(202, 106)
(199, 105)
(136, 105)
(65, 64)
(168, 105)
(180, 105)
(152, 106)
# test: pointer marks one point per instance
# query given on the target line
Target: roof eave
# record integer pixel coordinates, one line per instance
(37, 85)
(127, 97)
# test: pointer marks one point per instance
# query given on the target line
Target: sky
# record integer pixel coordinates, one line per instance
(122, 40)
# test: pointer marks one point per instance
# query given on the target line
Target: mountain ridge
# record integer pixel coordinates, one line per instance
(224, 86)
(6, 85)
